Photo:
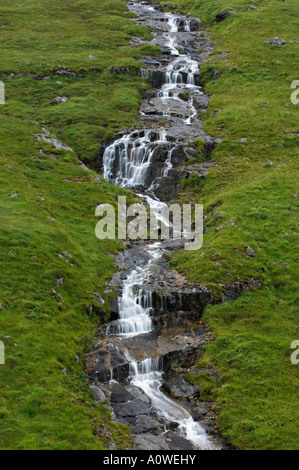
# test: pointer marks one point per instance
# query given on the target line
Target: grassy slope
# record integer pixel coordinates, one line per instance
(252, 187)
(40, 407)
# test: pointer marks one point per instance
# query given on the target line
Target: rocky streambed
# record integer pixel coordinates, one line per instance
(142, 356)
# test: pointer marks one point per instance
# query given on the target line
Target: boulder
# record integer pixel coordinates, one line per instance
(145, 424)
(250, 252)
(193, 24)
(59, 100)
(179, 388)
(223, 14)
(276, 42)
(200, 101)
(121, 395)
(98, 393)
(150, 442)
(158, 78)
(133, 408)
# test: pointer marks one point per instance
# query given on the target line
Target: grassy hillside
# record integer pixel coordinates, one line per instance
(251, 195)
(251, 199)
(44, 400)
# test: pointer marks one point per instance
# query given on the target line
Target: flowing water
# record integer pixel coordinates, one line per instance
(128, 163)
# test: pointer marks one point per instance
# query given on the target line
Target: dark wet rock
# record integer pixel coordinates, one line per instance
(276, 41)
(67, 73)
(181, 358)
(148, 94)
(145, 424)
(133, 408)
(150, 442)
(223, 14)
(193, 24)
(171, 425)
(179, 388)
(169, 105)
(199, 331)
(200, 101)
(173, 299)
(98, 393)
(158, 78)
(177, 442)
(233, 291)
(120, 394)
(209, 426)
(105, 365)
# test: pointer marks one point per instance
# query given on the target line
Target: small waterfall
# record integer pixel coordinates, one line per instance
(173, 22)
(135, 309)
(190, 79)
(148, 369)
(187, 26)
(174, 78)
(133, 317)
(127, 161)
(147, 375)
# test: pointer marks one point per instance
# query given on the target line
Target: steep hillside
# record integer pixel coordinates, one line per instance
(53, 269)
(52, 266)
(251, 200)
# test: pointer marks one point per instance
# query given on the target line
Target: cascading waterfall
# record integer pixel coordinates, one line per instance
(127, 163)
(148, 375)
(128, 160)
(135, 307)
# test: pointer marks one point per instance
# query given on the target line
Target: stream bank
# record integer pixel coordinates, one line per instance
(142, 356)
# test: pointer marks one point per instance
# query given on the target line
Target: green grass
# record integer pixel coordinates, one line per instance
(251, 196)
(40, 407)
(252, 189)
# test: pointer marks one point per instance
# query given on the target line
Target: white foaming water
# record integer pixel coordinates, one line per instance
(173, 22)
(147, 375)
(127, 161)
(135, 308)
